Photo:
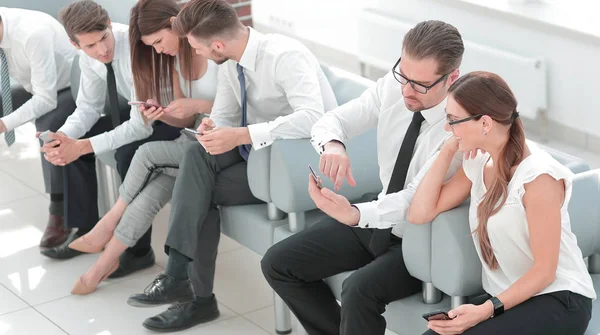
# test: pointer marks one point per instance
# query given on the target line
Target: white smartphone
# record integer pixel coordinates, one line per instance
(315, 177)
(191, 131)
(45, 137)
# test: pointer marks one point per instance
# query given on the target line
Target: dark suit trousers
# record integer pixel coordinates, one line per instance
(295, 269)
(53, 175)
(205, 182)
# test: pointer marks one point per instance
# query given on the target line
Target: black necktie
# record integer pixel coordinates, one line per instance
(381, 237)
(112, 95)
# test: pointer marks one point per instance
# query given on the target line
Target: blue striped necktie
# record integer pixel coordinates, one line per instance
(7, 106)
(244, 148)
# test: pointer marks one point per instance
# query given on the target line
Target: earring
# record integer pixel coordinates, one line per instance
(484, 133)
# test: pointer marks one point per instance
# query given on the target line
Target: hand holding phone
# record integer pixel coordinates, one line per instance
(45, 137)
(436, 315)
(315, 177)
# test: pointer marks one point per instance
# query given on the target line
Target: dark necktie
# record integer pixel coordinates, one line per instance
(244, 148)
(6, 96)
(113, 98)
(381, 237)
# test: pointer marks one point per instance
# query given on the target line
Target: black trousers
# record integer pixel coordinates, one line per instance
(53, 175)
(556, 313)
(295, 269)
(205, 182)
(81, 189)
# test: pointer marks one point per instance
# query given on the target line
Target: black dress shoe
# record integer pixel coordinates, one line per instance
(63, 251)
(183, 316)
(163, 290)
(129, 264)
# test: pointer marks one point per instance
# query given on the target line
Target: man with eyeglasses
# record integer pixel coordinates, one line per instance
(407, 107)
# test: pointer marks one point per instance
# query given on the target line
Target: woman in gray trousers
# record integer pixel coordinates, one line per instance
(189, 82)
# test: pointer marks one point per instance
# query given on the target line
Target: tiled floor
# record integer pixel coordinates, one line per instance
(35, 291)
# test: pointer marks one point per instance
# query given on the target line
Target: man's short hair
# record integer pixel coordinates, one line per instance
(83, 17)
(438, 40)
(207, 19)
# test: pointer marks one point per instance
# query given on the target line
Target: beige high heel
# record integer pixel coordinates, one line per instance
(83, 245)
(81, 288)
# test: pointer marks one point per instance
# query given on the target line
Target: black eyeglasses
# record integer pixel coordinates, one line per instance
(420, 88)
(451, 123)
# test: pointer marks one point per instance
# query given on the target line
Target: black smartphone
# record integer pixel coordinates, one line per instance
(316, 178)
(436, 315)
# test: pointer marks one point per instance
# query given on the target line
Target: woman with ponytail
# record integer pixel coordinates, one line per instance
(532, 269)
(166, 71)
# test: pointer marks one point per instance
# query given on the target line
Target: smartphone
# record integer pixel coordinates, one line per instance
(316, 178)
(191, 131)
(436, 315)
(147, 105)
(45, 137)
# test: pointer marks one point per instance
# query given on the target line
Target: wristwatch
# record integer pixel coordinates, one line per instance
(498, 306)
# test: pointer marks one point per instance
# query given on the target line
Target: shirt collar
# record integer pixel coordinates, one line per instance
(5, 43)
(435, 113)
(248, 60)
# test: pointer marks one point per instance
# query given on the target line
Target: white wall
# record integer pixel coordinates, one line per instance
(573, 59)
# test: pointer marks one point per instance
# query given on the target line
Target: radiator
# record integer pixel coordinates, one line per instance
(380, 44)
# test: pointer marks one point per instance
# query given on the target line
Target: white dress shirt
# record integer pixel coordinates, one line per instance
(508, 229)
(92, 96)
(286, 90)
(383, 107)
(39, 58)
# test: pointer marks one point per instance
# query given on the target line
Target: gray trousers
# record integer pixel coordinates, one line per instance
(53, 175)
(148, 186)
(204, 183)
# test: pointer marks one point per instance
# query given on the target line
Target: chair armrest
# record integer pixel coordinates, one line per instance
(259, 171)
(584, 211)
(289, 171)
(455, 265)
(416, 249)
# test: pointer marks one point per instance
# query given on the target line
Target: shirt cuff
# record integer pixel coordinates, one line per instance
(69, 131)
(100, 143)
(319, 142)
(260, 134)
(369, 218)
(11, 121)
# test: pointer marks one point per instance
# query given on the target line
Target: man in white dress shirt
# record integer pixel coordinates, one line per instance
(270, 87)
(407, 107)
(34, 51)
(105, 66)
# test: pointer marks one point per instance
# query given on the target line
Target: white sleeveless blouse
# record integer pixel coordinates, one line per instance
(509, 233)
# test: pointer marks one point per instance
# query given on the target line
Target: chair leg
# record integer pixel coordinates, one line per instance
(283, 316)
(431, 295)
(456, 301)
(108, 187)
(594, 263)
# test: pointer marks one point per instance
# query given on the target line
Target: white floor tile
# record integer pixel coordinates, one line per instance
(29, 212)
(38, 279)
(234, 326)
(106, 311)
(227, 244)
(12, 189)
(10, 302)
(27, 171)
(265, 319)
(239, 283)
(27, 322)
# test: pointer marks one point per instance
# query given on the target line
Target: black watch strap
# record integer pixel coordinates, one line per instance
(498, 306)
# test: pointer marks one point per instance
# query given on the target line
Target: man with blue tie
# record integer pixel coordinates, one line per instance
(270, 87)
(35, 52)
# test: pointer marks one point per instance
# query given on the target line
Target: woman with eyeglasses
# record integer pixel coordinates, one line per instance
(532, 268)
(165, 69)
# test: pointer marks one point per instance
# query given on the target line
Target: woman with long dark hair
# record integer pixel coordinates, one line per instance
(166, 71)
(532, 269)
